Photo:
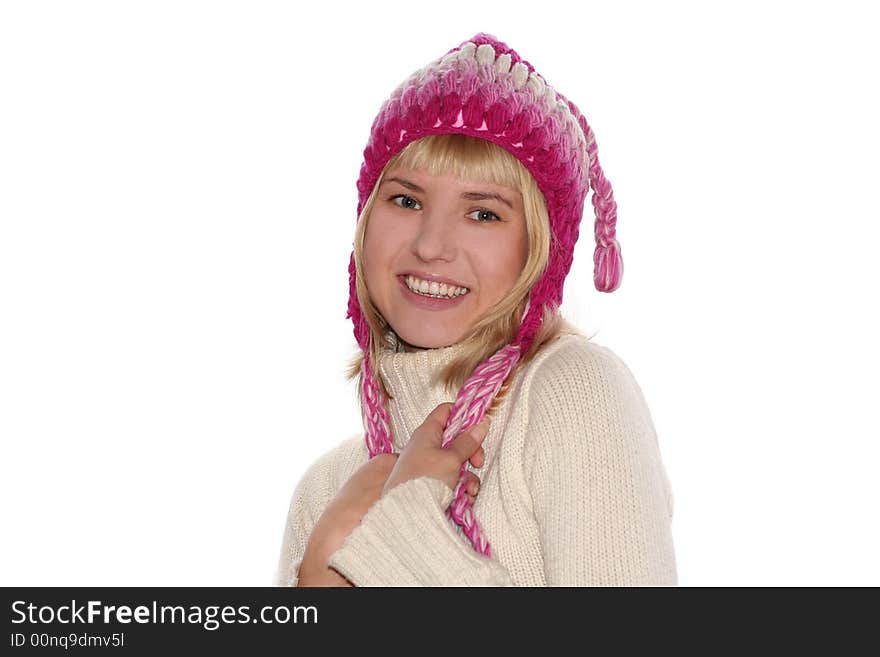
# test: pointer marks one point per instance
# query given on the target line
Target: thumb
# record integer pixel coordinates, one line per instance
(468, 442)
(436, 421)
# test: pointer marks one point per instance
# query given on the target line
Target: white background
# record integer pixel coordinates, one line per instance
(177, 205)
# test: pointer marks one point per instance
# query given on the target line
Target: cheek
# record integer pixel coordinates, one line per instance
(381, 243)
(499, 261)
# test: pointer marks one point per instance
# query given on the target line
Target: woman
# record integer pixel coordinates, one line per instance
(470, 199)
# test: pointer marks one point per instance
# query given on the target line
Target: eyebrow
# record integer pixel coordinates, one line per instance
(471, 196)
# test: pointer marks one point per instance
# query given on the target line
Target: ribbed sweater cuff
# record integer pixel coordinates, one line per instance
(406, 539)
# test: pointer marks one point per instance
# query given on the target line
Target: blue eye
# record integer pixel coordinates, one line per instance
(488, 212)
(394, 198)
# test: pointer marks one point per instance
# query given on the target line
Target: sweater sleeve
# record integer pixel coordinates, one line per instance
(601, 496)
(310, 497)
(406, 539)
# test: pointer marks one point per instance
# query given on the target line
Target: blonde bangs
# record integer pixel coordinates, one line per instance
(465, 158)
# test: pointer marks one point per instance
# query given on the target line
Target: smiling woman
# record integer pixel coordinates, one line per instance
(470, 199)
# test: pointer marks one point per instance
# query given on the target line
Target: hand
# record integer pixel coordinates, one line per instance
(423, 454)
(342, 514)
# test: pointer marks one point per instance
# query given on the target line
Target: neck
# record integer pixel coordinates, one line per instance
(406, 347)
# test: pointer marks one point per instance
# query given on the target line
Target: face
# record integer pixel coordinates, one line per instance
(437, 228)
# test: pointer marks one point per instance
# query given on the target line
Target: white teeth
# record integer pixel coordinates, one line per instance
(434, 289)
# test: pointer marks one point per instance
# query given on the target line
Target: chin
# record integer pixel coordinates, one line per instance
(421, 344)
(433, 341)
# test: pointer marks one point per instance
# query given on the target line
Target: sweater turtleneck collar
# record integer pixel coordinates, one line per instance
(408, 378)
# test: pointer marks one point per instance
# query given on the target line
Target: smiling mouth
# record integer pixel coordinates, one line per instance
(427, 301)
(433, 290)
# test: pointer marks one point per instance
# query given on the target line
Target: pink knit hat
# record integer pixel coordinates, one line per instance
(484, 89)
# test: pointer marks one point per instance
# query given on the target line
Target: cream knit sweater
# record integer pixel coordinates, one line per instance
(573, 488)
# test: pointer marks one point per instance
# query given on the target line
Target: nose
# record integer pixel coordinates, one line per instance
(435, 238)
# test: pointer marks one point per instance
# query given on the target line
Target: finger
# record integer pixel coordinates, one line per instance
(478, 458)
(472, 484)
(438, 417)
(468, 442)
(442, 410)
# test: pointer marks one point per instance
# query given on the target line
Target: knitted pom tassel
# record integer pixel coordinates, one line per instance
(375, 412)
(607, 259)
(607, 267)
(469, 408)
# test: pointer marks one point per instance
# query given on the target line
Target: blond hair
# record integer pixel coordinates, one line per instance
(479, 160)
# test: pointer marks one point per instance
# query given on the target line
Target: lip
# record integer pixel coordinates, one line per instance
(427, 303)
(425, 276)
